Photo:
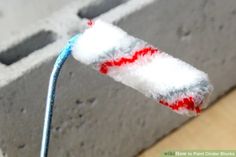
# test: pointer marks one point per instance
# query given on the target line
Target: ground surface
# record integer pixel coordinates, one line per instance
(214, 129)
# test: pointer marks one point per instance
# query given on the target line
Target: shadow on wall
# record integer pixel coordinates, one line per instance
(99, 7)
(27, 46)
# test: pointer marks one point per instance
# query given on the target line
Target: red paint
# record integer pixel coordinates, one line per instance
(90, 23)
(186, 103)
(104, 67)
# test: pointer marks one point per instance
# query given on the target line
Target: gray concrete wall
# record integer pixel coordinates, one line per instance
(94, 115)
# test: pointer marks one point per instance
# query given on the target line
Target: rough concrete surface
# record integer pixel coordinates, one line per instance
(15, 15)
(94, 115)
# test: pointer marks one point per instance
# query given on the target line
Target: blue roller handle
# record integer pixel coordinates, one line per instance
(64, 54)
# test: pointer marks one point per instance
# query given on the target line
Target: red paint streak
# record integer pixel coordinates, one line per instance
(104, 67)
(186, 103)
(90, 23)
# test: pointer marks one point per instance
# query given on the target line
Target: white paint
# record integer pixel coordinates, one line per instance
(97, 41)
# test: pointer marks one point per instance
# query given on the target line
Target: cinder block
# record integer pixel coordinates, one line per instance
(94, 115)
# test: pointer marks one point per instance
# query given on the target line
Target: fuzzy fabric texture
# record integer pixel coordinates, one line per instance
(137, 64)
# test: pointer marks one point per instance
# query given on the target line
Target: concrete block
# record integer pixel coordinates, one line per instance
(94, 115)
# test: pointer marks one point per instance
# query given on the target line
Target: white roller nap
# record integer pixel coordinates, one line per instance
(137, 64)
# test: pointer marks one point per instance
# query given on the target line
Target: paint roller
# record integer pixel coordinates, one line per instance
(135, 63)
